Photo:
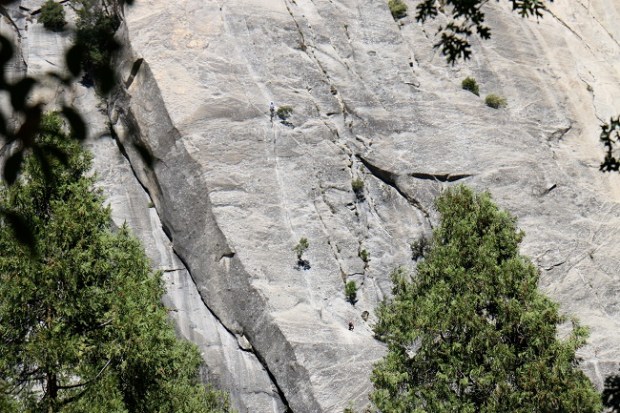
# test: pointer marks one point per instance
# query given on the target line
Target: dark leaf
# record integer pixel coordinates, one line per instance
(19, 92)
(105, 79)
(13, 166)
(74, 58)
(78, 127)
(3, 130)
(30, 127)
(610, 135)
(20, 228)
(6, 50)
(56, 152)
(611, 393)
(43, 160)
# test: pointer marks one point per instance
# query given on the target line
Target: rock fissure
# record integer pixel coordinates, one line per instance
(186, 268)
(439, 177)
(166, 270)
(611, 36)
(252, 349)
(4, 12)
(344, 109)
(261, 360)
(202, 243)
(389, 178)
(559, 134)
(134, 71)
(570, 29)
(333, 247)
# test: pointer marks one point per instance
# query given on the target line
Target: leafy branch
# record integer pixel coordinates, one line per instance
(466, 18)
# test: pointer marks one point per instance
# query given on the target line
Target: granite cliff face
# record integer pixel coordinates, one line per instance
(234, 192)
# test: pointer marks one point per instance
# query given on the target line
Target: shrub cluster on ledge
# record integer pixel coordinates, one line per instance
(470, 84)
(52, 15)
(365, 256)
(495, 101)
(358, 188)
(300, 248)
(397, 8)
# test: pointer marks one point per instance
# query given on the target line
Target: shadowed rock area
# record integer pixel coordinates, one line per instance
(372, 100)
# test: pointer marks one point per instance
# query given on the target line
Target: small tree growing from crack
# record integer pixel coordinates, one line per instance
(358, 188)
(350, 292)
(365, 256)
(299, 249)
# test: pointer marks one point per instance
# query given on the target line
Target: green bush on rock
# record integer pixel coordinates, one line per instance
(52, 15)
(495, 101)
(470, 84)
(397, 8)
(284, 112)
(350, 292)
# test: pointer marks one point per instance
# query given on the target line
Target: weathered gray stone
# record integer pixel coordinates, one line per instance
(372, 100)
(228, 364)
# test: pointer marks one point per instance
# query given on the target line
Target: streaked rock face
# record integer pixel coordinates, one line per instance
(371, 100)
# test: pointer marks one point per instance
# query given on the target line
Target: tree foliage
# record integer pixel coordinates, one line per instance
(52, 15)
(466, 18)
(82, 327)
(610, 137)
(21, 121)
(95, 42)
(471, 332)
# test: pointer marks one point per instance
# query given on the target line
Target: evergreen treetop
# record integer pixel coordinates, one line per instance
(82, 327)
(471, 332)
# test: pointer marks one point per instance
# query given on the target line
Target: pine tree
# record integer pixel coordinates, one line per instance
(82, 327)
(471, 332)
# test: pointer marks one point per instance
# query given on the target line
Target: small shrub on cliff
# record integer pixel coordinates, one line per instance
(358, 188)
(284, 112)
(397, 8)
(350, 292)
(299, 249)
(495, 101)
(470, 84)
(365, 256)
(419, 248)
(52, 15)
